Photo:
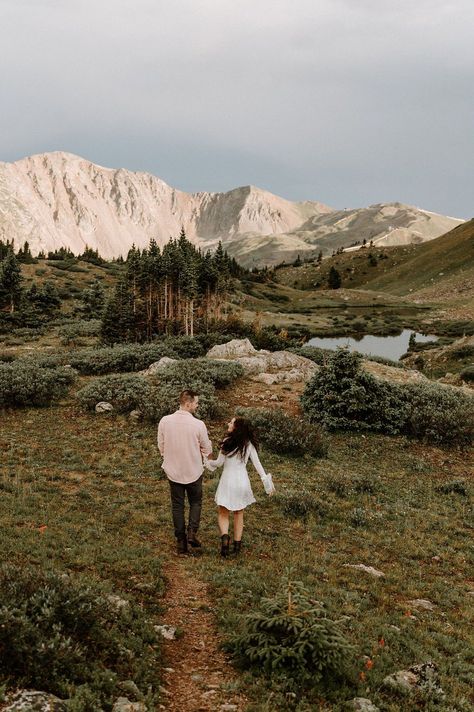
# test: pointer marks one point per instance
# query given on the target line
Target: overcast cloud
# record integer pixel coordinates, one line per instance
(350, 102)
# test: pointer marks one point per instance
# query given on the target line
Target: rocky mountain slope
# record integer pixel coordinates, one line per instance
(59, 199)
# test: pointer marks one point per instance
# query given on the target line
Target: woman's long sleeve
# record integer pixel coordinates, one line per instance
(257, 464)
(214, 464)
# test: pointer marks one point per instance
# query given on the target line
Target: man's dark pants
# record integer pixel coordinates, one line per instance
(178, 492)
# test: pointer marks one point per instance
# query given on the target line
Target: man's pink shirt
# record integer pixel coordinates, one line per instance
(182, 441)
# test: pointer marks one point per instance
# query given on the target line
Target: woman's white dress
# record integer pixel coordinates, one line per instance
(234, 491)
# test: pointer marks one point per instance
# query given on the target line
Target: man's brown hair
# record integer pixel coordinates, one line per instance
(187, 396)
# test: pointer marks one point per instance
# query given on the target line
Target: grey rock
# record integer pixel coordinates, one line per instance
(167, 631)
(34, 701)
(130, 688)
(403, 682)
(421, 604)
(158, 366)
(367, 569)
(123, 704)
(232, 349)
(104, 407)
(361, 704)
(228, 707)
(135, 415)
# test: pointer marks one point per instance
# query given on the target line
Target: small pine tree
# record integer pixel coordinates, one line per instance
(10, 282)
(334, 279)
(93, 301)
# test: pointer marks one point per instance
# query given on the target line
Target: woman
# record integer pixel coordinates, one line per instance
(234, 491)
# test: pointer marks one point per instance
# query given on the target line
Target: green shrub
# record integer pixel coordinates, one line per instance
(341, 395)
(113, 359)
(438, 414)
(77, 329)
(152, 396)
(162, 398)
(286, 434)
(467, 374)
(301, 504)
(291, 639)
(26, 384)
(219, 373)
(454, 487)
(61, 635)
(125, 392)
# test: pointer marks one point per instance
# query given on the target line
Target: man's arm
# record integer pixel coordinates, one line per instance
(204, 442)
(161, 438)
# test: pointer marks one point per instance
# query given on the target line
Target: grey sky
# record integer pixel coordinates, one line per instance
(350, 102)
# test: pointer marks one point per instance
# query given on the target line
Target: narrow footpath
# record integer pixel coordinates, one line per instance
(198, 676)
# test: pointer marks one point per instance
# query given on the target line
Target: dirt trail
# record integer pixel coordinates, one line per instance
(198, 677)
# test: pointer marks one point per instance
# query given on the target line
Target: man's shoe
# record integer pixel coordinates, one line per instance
(182, 546)
(225, 541)
(193, 540)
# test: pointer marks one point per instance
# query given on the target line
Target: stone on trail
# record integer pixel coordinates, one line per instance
(104, 407)
(367, 569)
(34, 701)
(403, 682)
(167, 631)
(361, 704)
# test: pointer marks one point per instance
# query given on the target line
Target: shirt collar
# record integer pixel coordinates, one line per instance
(184, 412)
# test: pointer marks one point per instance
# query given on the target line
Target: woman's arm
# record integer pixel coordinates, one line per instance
(266, 478)
(214, 464)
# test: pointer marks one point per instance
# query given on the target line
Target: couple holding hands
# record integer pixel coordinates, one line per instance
(185, 446)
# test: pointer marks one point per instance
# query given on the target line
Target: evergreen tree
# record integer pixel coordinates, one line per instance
(10, 282)
(24, 255)
(93, 301)
(334, 279)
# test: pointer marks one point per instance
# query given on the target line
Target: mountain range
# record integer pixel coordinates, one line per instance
(58, 199)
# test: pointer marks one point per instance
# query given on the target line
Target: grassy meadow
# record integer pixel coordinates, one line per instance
(84, 494)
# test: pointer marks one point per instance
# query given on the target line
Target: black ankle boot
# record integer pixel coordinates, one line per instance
(237, 547)
(182, 545)
(193, 541)
(225, 541)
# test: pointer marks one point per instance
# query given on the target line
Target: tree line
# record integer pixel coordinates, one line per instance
(175, 290)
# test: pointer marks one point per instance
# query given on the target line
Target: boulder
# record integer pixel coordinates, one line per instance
(253, 364)
(421, 604)
(361, 704)
(34, 701)
(158, 366)
(285, 361)
(104, 407)
(232, 350)
(167, 631)
(135, 415)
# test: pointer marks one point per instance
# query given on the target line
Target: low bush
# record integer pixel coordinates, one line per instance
(341, 395)
(67, 636)
(113, 359)
(301, 504)
(467, 374)
(454, 487)
(125, 392)
(219, 373)
(438, 414)
(69, 333)
(286, 434)
(292, 640)
(153, 397)
(27, 384)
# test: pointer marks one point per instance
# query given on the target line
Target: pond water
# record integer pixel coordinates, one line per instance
(387, 346)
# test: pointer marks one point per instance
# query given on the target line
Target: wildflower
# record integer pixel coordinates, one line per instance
(369, 664)
(382, 642)
(42, 528)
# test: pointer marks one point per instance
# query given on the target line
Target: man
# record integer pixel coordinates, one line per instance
(182, 442)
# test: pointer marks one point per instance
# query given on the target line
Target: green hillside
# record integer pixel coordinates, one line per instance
(397, 270)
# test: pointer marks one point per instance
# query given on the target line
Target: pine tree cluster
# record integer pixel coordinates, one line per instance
(176, 290)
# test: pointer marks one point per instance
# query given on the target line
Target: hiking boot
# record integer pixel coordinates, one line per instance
(237, 547)
(193, 540)
(182, 546)
(225, 541)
